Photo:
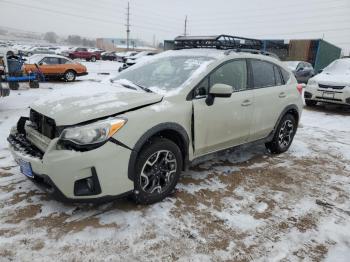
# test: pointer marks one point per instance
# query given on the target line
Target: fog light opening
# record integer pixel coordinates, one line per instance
(89, 186)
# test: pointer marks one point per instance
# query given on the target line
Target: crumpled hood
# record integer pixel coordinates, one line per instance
(79, 103)
(333, 79)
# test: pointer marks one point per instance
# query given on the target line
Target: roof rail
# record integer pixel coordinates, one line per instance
(219, 42)
(253, 51)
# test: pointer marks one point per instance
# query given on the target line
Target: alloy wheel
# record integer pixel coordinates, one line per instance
(286, 134)
(158, 172)
(70, 76)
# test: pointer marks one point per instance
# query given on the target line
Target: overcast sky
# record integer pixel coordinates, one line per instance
(163, 19)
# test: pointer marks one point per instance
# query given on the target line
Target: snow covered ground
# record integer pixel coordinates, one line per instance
(241, 205)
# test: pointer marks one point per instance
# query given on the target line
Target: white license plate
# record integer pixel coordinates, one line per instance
(26, 168)
(328, 95)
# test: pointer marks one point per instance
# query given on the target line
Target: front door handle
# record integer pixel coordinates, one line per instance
(246, 103)
(282, 95)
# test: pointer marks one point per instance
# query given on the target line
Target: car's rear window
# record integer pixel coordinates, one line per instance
(285, 74)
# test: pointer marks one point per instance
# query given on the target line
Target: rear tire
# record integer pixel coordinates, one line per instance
(34, 84)
(158, 168)
(13, 85)
(310, 102)
(70, 76)
(284, 135)
(93, 59)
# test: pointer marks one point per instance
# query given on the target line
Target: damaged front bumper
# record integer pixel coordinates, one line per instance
(71, 176)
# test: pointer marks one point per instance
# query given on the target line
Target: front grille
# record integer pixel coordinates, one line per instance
(21, 144)
(44, 125)
(331, 87)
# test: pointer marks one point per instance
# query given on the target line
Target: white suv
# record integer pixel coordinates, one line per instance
(330, 86)
(137, 134)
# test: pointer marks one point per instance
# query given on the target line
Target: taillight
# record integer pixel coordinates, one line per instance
(300, 88)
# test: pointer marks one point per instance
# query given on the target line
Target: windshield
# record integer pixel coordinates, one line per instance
(34, 59)
(341, 66)
(292, 65)
(164, 74)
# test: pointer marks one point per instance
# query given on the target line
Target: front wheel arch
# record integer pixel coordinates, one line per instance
(171, 131)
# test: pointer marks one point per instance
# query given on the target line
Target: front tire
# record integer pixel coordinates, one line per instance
(158, 169)
(70, 76)
(93, 59)
(284, 135)
(34, 84)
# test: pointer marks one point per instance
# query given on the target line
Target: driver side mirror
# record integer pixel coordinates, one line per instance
(41, 63)
(218, 90)
(221, 90)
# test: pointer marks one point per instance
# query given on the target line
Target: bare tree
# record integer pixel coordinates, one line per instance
(51, 37)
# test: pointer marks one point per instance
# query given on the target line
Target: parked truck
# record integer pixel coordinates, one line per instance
(83, 53)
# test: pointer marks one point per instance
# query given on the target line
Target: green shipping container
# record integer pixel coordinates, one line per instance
(318, 52)
(326, 54)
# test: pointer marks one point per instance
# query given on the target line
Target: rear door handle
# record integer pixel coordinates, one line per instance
(246, 103)
(282, 95)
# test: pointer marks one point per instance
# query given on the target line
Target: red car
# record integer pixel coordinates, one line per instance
(83, 53)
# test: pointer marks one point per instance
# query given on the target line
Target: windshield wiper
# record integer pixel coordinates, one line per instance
(143, 88)
(133, 88)
(125, 85)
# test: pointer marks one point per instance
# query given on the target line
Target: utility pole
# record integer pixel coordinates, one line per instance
(185, 31)
(128, 27)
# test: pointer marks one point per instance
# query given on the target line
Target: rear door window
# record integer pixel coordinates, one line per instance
(50, 61)
(263, 74)
(64, 61)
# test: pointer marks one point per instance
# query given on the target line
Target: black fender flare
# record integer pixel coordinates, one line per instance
(287, 109)
(150, 133)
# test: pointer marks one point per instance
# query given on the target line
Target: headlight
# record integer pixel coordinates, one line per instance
(93, 134)
(312, 82)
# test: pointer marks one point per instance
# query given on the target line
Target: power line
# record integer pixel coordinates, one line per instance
(256, 24)
(276, 10)
(311, 31)
(246, 16)
(112, 11)
(110, 22)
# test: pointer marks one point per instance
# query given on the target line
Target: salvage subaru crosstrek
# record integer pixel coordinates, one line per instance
(138, 132)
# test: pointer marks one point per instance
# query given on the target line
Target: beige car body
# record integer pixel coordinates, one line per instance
(246, 116)
(330, 86)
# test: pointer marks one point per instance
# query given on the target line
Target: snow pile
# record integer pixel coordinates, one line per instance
(240, 205)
